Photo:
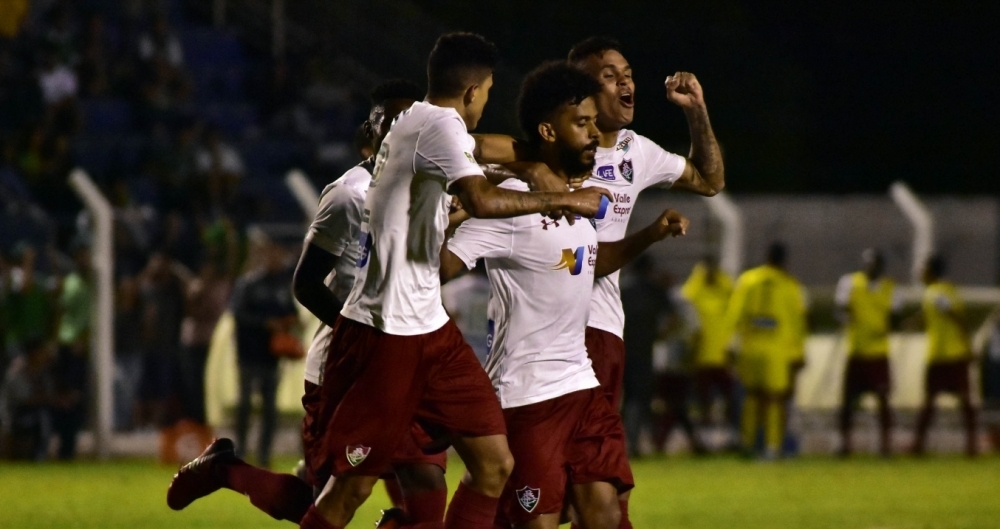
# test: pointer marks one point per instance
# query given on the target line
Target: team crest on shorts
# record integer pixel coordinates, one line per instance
(357, 453)
(625, 168)
(528, 498)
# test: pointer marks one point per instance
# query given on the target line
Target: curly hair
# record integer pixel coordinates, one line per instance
(548, 87)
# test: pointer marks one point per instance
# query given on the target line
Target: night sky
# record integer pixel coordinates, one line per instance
(816, 96)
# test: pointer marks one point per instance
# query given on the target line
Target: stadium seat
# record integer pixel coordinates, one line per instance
(106, 116)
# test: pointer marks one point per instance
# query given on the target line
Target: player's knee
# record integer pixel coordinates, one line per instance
(602, 515)
(492, 474)
(423, 477)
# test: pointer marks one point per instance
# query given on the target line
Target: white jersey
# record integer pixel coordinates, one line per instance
(397, 287)
(336, 229)
(541, 275)
(633, 164)
(467, 299)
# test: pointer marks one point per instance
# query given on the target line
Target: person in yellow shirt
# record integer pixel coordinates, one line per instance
(708, 289)
(767, 313)
(949, 353)
(866, 300)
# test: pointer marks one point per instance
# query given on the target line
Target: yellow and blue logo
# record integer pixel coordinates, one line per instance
(571, 260)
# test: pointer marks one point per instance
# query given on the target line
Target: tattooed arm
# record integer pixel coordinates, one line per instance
(704, 173)
(481, 199)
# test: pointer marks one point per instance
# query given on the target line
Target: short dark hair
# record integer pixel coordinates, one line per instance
(396, 89)
(937, 265)
(777, 253)
(455, 59)
(548, 87)
(592, 46)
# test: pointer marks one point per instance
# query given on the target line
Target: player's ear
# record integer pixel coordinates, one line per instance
(369, 129)
(470, 94)
(547, 132)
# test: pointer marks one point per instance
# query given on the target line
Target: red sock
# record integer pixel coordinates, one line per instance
(471, 510)
(625, 523)
(314, 520)
(282, 496)
(425, 505)
(395, 493)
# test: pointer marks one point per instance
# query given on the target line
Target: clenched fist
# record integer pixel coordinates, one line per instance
(671, 224)
(684, 90)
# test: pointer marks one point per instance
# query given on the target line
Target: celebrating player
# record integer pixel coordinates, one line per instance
(562, 432)
(395, 356)
(331, 245)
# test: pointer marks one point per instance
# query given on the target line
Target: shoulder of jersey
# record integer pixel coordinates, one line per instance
(356, 180)
(514, 184)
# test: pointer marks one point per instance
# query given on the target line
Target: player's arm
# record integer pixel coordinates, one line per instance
(612, 256)
(704, 173)
(497, 149)
(483, 200)
(452, 265)
(309, 283)
(842, 299)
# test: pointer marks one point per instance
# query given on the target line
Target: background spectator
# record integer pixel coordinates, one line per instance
(207, 299)
(72, 362)
(27, 397)
(163, 311)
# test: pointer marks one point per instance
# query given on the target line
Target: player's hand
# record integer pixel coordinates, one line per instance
(541, 178)
(576, 182)
(587, 202)
(684, 90)
(671, 224)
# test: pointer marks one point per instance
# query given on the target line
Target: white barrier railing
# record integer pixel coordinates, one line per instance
(303, 191)
(103, 309)
(731, 245)
(921, 220)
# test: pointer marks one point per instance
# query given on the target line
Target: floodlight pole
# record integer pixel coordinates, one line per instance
(921, 220)
(102, 307)
(731, 245)
(303, 191)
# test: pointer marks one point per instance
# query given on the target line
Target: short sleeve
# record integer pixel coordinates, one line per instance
(942, 302)
(482, 239)
(444, 149)
(659, 167)
(842, 296)
(339, 215)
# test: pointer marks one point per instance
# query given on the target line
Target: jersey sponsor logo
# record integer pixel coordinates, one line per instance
(625, 168)
(624, 145)
(469, 156)
(528, 498)
(357, 453)
(623, 204)
(602, 209)
(365, 244)
(605, 172)
(573, 260)
(547, 222)
(490, 331)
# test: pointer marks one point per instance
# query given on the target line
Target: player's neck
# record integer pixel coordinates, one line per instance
(608, 138)
(456, 103)
(550, 157)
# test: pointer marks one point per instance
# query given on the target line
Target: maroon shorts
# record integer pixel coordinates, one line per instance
(377, 385)
(718, 377)
(948, 377)
(574, 439)
(866, 375)
(408, 453)
(607, 354)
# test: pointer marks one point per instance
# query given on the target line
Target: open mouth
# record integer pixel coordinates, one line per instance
(626, 99)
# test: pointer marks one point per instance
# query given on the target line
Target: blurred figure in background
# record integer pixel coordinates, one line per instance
(207, 297)
(466, 299)
(128, 352)
(866, 302)
(646, 304)
(673, 366)
(31, 312)
(27, 397)
(262, 305)
(949, 353)
(708, 290)
(72, 362)
(221, 168)
(767, 312)
(163, 310)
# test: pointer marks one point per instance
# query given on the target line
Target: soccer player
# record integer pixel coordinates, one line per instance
(867, 301)
(708, 289)
(331, 245)
(395, 356)
(562, 431)
(767, 312)
(949, 353)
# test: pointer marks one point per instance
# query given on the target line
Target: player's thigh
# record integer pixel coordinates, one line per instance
(546, 521)
(458, 399)
(596, 452)
(750, 369)
(777, 374)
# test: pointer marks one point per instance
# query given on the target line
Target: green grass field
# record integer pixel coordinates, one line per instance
(678, 493)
